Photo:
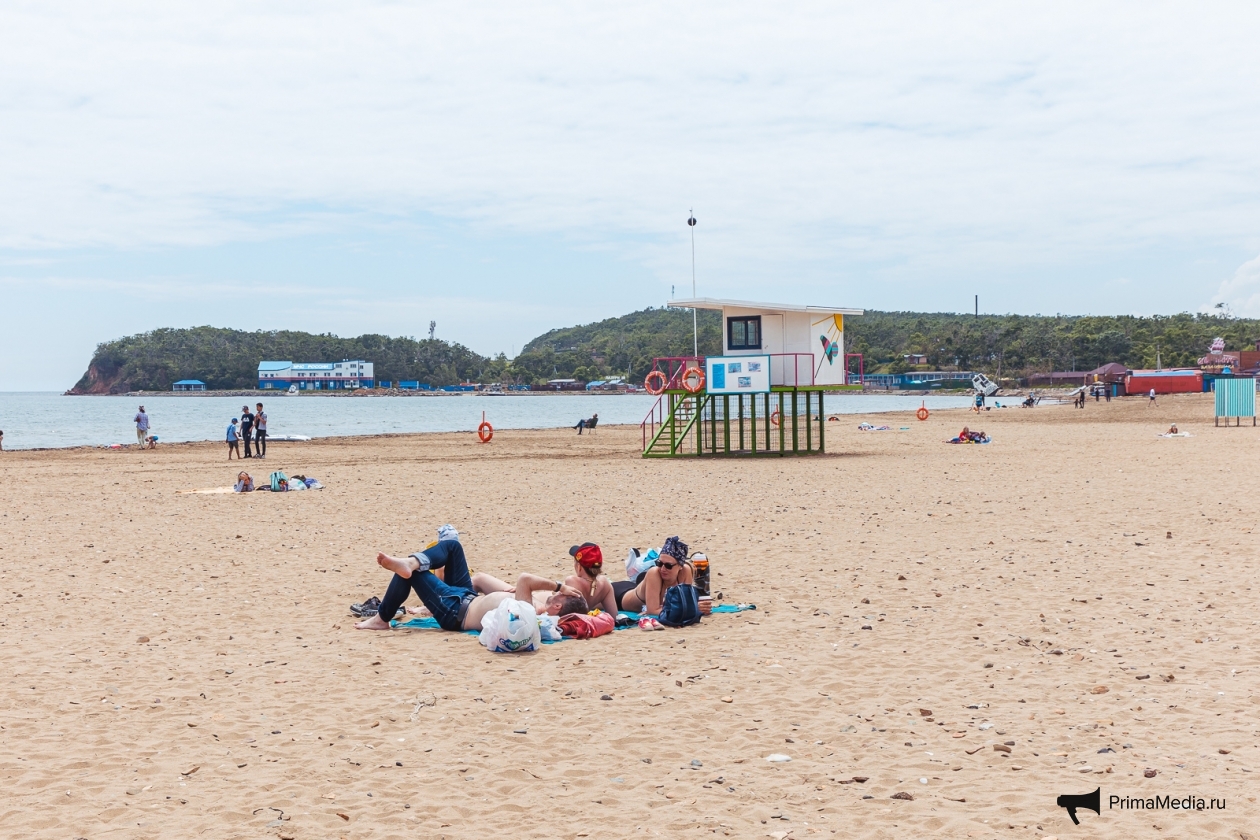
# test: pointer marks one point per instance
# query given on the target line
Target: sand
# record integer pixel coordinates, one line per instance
(184, 665)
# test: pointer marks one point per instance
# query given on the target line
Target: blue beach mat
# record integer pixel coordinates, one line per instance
(429, 623)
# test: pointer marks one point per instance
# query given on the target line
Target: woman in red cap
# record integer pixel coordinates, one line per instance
(588, 577)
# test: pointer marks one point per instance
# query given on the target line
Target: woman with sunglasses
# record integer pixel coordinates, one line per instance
(648, 591)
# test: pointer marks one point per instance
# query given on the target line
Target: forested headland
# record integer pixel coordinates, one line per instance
(1012, 346)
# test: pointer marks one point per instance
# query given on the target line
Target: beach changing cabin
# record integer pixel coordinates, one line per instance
(189, 385)
(763, 395)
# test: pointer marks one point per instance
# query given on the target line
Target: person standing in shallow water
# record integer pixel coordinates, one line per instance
(247, 428)
(260, 432)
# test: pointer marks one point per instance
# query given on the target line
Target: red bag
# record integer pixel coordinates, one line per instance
(578, 626)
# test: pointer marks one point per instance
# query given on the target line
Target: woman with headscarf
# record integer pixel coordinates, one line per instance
(648, 590)
(588, 577)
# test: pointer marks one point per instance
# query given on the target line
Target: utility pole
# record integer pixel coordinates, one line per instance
(977, 307)
(695, 328)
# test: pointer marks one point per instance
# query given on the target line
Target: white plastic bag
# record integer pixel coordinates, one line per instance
(638, 563)
(549, 628)
(295, 484)
(511, 627)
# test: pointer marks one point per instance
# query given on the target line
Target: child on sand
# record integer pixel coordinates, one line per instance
(233, 440)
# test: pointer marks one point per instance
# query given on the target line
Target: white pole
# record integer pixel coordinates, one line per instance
(695, 329)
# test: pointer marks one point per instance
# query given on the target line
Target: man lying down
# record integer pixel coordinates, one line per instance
(460, 602)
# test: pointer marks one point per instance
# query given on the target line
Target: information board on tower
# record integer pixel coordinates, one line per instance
(737, 374)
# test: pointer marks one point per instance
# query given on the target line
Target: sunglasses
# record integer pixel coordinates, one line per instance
(668, 565)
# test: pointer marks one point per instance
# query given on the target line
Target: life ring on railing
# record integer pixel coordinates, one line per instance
(657, 377)
(922, 413)
(485, 431)
(774, 417)
(693, 380)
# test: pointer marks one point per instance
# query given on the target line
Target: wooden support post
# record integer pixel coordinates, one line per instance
(741, 422)
(822, 424)
(809, 423)
(782, 422)
(795, 415)
(726, 423)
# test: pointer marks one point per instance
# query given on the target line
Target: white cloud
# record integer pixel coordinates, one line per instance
(1240, 293)
(914, 132)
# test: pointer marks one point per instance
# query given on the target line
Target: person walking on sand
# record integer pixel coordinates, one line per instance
(232, 442)
(142, 427)
(1152, 402)
(247, 428)
(1, 440)
(260, 432)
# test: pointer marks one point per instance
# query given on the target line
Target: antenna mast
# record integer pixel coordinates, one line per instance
(695, 329)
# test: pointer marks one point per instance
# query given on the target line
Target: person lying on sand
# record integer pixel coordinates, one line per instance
(588, 577)
(649, 589)
(454, 602)
(1172, 430)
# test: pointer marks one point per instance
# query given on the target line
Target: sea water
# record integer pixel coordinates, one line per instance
(47, 420)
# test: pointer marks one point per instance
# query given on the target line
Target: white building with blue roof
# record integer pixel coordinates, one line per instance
(316, 376)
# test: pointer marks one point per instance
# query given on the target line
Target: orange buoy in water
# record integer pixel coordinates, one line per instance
(655, 383)
(485, 431)
(922, 413)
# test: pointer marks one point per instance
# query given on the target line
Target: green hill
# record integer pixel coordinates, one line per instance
(1010, 345)
(226, 359)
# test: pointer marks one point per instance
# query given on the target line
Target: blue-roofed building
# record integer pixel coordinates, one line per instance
(315, 376)
(189, 385)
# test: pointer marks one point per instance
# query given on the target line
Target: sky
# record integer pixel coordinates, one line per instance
(504, 169)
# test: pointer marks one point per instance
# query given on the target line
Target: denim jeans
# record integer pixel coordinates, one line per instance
(444, 598)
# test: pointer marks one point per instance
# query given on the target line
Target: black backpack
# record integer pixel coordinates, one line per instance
(681, 606)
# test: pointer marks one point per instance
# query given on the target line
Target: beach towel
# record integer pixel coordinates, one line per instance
(867, 427)
(986, 439)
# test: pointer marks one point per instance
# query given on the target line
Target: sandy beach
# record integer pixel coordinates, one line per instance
(1079, 593)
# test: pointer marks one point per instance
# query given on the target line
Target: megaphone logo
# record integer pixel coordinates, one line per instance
(1072, 801)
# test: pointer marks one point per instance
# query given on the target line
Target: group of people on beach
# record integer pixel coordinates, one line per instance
(254, 424)
(459, 600)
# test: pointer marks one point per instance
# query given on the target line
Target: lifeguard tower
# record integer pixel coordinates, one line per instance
(763, 395)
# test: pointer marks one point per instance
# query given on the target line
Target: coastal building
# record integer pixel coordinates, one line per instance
(763, 395)
(189, 385)
(316, 376)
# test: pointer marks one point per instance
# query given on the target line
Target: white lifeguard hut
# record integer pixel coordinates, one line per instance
(763, 395)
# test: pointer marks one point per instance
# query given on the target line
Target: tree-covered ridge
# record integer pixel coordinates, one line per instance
(226, 359)
(1019, 345)
(1011, 345)
(617, 346)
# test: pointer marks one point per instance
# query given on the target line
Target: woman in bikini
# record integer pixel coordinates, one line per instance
(649, 589)
(588, 578)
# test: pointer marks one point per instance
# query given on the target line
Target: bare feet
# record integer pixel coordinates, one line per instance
(373, 623)
(401, 566)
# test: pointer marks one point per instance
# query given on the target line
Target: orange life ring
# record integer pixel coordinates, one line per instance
(485, 431)
(774, 417)
(657, 377)
(922, 413)
(697, 374)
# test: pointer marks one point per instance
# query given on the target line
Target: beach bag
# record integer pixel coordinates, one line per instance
(637, 564)
(295, 484)
(681, 606)
(580, 626)
(279, 482)
(511, 627)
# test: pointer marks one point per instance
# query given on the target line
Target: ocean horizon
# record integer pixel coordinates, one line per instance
(52, 420)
